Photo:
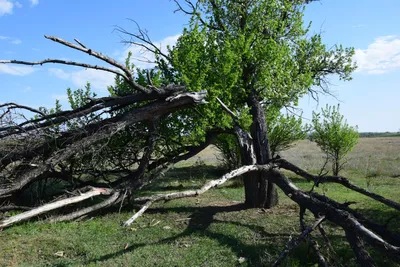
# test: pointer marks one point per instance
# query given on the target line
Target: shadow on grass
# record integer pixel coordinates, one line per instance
(200, 220)
(202, 217)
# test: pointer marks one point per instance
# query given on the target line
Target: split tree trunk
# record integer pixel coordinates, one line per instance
(259, 192)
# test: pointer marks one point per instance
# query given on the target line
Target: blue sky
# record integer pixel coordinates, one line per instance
(370, 100)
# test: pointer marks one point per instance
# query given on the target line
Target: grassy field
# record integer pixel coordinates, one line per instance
(212, 229)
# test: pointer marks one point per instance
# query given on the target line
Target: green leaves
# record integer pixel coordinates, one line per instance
(231, 47)
(284, 130)
(333, 135)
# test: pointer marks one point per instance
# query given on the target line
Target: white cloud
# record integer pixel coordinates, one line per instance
(16, 70)
(27, 89)
(18, 4)
(6, 7)
(142, 58)
(34, 2)
(16, 41)
(11, 40)
(97, 78)
(382, 56)
(59, 73)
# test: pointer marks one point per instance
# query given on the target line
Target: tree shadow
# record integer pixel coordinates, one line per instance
(200, 220)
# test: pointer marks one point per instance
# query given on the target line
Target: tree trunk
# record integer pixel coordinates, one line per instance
(248, 157)
(258, 191)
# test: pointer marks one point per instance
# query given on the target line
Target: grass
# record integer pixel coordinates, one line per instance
(212, 229)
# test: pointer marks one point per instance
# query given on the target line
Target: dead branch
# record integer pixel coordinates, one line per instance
(340, 217)
(104, 58)
(92, 106)
(142, 39)
(192, 193)
(52, 206)
(295, 242)
(313, 242)
(362, 255)
(83, 212)
(65, 62)
(321, 259)
(11, 105)
(101, 131)
(335, 179)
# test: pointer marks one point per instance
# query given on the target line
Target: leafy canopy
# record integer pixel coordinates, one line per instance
(233, 47)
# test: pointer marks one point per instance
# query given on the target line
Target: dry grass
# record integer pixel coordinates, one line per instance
(372, 157)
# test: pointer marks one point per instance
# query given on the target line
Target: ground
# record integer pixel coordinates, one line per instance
(212, 229)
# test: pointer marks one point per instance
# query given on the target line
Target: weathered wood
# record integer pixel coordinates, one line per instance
(83, 212)
(362, 255)
(100, 131)
(340, 217)
(295, 242)
(191, 193)
(52, 206)
(335, 179)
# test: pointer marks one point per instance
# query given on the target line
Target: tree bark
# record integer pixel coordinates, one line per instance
(259, 192)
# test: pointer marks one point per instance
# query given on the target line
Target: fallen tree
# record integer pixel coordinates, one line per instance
(54, 145)
(45, 147)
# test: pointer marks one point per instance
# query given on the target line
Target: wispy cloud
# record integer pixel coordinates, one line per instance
(34, 2)
(143, 58)
(382, 56)
(16, 41)
(11, 40)
(6, 7)
(18, 4)
(16, 70)
(99, 80)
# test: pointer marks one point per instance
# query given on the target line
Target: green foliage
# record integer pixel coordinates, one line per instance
(230, 49)
(230, 153)
(76, 99)
(333, 135)
(284, 130)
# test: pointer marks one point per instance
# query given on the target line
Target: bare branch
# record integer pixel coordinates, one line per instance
(362, 255)
(76, 40)
(294, 243)
(335, 179)
(104, 58)
(83, 212)
(52, 206)
(64, 62)
(192, 193)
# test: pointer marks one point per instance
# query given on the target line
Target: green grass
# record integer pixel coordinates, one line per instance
(212, 229)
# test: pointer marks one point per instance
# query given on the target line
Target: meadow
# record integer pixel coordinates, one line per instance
(213, 229)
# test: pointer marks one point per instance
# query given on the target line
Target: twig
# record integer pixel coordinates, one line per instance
(294, 243)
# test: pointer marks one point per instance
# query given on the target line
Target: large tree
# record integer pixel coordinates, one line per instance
(255, 56)
(268, 62)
